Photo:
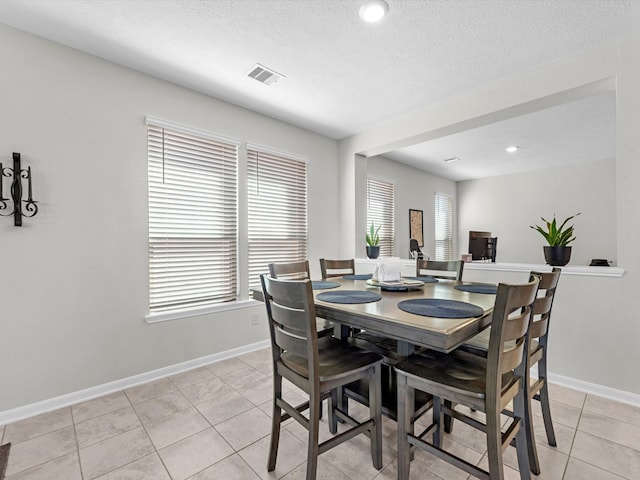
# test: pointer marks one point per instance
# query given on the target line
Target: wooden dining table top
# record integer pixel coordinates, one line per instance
(385, 318)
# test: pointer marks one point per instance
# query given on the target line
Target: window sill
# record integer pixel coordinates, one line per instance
(196, 312)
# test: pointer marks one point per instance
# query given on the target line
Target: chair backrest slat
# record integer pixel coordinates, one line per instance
(290, 271)
(337, 268)
(544, 302)
(509, 327)
(292, 319)
(451, 270)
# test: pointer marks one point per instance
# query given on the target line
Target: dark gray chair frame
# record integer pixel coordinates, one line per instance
(454, 266)
(486, 385)
(318, 372)
(337, 268)
(538, 341)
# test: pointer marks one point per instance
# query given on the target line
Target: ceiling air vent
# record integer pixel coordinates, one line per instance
(264, 75)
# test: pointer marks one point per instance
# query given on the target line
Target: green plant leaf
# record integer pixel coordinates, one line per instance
(554, 235)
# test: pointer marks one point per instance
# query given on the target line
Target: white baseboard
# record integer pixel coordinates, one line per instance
(13, 415)
(595, 389)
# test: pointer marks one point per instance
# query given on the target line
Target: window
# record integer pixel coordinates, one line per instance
(277, 203)
(192, 218)
(380, 211)
(443, 226)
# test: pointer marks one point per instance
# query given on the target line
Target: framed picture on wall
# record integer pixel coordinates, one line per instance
(415, 226)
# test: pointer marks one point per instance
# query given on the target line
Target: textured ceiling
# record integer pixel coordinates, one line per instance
(341, 76)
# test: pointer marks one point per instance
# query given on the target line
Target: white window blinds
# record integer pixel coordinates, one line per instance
(381, 211)
(277, 211)
(444, 226)
(192, 219)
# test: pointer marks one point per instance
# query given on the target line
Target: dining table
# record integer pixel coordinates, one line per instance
(385, 317)
(381, 308)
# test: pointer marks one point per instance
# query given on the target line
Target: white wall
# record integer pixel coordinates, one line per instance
(415, 189)
(73, 279)
(598, 344)
(507, 205)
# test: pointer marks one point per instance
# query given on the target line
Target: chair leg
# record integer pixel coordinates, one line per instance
(522, 445)
(315, 405)
(438, 420)
(494, 443)
(405, 407)
(530, 436)
(448, 419)
(375, 409)
(544, 401)
(275, 423)
(333, 405)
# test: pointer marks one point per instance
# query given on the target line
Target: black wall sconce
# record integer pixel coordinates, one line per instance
(30, 207)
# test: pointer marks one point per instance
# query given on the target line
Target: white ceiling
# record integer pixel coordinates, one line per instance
(343, 76)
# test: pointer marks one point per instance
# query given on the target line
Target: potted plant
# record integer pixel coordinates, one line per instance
(558, 252)
(373, 241)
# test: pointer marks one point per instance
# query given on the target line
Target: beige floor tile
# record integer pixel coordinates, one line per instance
(324, 471)
(176, 427)
(99, 406)
(192, 455)
(190, 377)
(565, 395)
(258, 358)
(66, 467)
(291, 453)
(444, 469)
(162, 406)
(579, 470)
(38, 450)
(605, 427)
(260, 391)
(149, 467)
(416, 472)
(245, 380)
(207, 390)
(151, 390)
(610, 408)
(106, 426)
(354, 458)
(38, 425)
(560, 413)
(231, 468)
(114, 452)
(224, 407)
(564, 435)
(552, 462)
(609, 456)
(231, 366)
(246, 428)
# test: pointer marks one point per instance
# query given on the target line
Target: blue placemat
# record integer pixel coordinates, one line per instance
(435, 307)
(348, 296)
(423, 279)
(488, 289)
(323, 284)
(362, 276)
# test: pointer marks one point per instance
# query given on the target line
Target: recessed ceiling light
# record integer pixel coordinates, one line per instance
(373, 10)
(512, 148)
(452, 159)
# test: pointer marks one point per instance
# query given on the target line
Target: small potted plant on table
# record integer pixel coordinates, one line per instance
(558, 252)
(373, 241)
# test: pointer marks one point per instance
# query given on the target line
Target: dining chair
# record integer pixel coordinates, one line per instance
(449, 270)
(337, 268)
(538, 342)
(299, 271)
(319, 372)
(483, 384)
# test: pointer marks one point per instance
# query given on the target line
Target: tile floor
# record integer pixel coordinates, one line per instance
(213, 423)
